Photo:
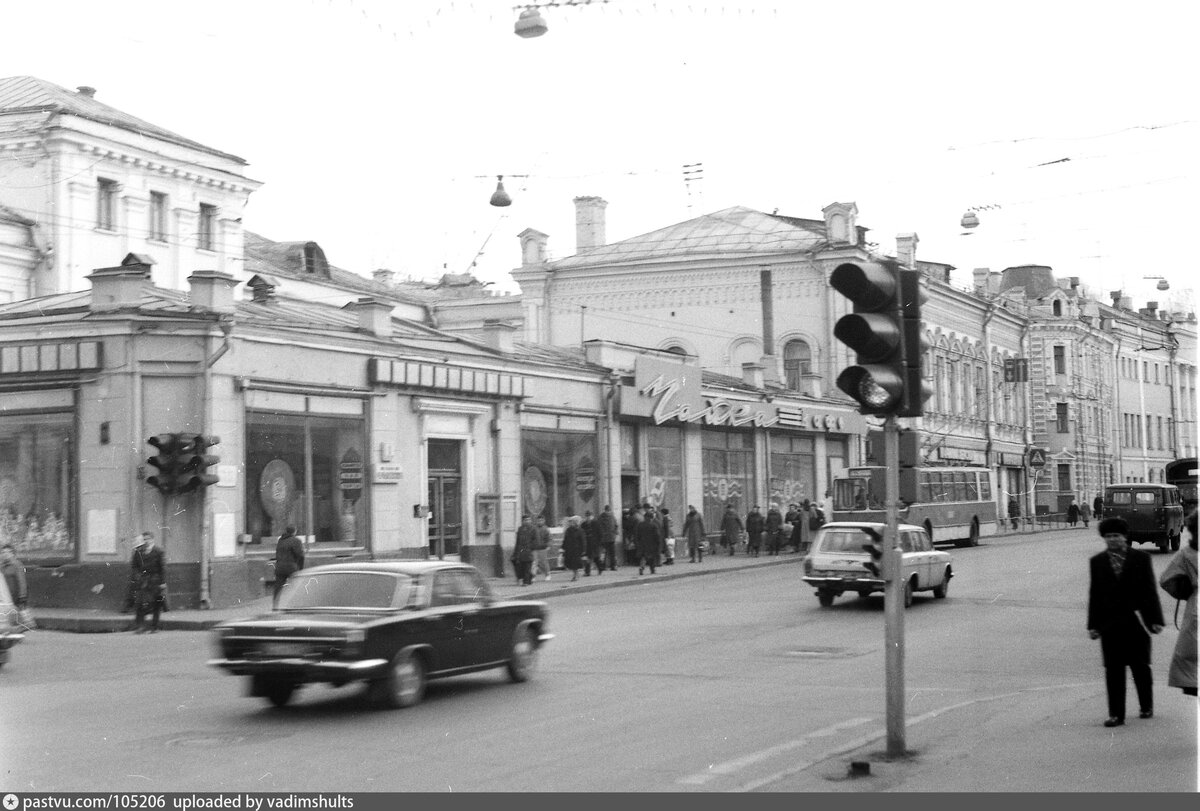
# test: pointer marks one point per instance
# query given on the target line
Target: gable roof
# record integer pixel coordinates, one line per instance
(23, 94)
(731, 231)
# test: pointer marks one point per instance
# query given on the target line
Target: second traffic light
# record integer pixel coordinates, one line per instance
(166, 461)
(884, 330)
(195, 461)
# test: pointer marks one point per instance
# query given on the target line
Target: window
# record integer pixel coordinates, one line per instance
(208, 227)
(797, 362)
(37, 483)
(158, 216)
(1064, 477)
(1061, 418)
(106, 204)
(1058, 308)
(1060, 360)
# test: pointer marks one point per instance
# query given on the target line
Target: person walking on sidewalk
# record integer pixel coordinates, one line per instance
(756, 524)
(1072, 514)
(668, 537)
(1179, 580)
(1098, 506)
(1123, 611)
(648, 538)
(607, 523)
(541, 546)
(146, 569)
(289, 559)
(693, 530)
(1014, 512)
(573, 545)
(1085, 514)
(731, 529)
(523, 550)
(592, 553)
(774, 530)
(14, 576)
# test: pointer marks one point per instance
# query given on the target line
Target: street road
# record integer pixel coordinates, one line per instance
(730, 682)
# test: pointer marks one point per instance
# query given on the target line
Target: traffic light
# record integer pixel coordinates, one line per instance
(166, 461)
(875, 548)
(909, 464)
(195, 461)
(884, 330)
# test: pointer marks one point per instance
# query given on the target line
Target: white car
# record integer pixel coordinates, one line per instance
(835, 562)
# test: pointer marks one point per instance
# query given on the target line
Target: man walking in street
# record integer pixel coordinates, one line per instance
(608, 537)
(774, 529)
(731, 529)
(1123, 612)
(147, 573)
(541, 546)
(756, 524)
(523, 551)
(648, 538)
(693, 530)
(591, 544)
(289, 559)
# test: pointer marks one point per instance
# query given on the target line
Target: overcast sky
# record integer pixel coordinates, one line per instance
(378, 127)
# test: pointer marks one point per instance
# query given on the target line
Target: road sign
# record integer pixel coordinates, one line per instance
(1016, 370)
(1036, 457)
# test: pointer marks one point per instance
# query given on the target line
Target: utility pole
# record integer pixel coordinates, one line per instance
(893, 594)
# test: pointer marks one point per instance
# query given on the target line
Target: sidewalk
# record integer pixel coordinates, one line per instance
(83, 620)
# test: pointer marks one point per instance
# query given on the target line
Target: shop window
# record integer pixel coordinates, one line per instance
(793, 471)
(558, 474)
(37, 480)
(306, 472)
(727, 462)
(664, 445)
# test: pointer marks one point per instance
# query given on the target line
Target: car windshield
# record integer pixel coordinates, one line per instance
(848, 539)
(345, 590)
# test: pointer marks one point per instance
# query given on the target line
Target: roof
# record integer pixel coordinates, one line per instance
(731, 231)
(409, 567)
(8, 215)
(21, 94)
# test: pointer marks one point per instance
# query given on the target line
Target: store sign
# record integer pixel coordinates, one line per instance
(667, 391)
(350, 475)
(387, 472)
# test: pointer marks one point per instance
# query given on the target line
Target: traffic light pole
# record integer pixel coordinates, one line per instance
(893, 595)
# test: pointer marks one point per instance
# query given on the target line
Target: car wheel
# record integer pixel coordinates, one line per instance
(278, 693)
(825, 598)
(522, 659)
(940, 591)
(404, 685)
(1174, 541)
(908, 593)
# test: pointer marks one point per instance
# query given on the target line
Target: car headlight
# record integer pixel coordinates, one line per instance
(355, 636)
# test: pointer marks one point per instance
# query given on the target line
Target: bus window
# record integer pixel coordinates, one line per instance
(972, 482)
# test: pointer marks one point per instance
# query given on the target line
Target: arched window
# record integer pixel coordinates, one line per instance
(797, 361)
(676, 350)
(1058, 308)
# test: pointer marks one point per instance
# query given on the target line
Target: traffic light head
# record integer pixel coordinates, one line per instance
(196, 461)
(884, 331)
(875, 549)
(166, 463)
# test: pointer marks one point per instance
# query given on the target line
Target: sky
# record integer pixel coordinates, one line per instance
(379, 128)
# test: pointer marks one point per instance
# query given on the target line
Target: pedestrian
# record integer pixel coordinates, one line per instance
(1085, 514)
(693, 530)
(289, 559)
(147, 572)
(608, 538)
(14, 576)
(731, 529)
(1014, 511)
(1072, 513)
(541, 546)
(629, 521)
(756, 524)
(591, 544)
(1179, 580)
(774, 530)
(1098, 506)
(648, 539)
(816, 520)
(573, 546)
(1123, 612)
(523, 550)
(794, 519)
(668, 536)
(801, 532)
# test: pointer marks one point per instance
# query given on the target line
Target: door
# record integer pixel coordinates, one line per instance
(445, 497)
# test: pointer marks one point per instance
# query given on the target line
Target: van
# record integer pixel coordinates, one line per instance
(1154, 512)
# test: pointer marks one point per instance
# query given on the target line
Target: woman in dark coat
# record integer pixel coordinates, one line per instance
(774, 528)
(593, 553)
(648, 539)
(573, 546)
(731, 529)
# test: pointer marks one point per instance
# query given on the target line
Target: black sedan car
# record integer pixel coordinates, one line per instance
(392, 625)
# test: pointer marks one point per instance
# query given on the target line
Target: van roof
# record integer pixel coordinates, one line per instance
(1141, 486)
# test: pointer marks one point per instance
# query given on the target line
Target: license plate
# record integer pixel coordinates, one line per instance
(285, 649)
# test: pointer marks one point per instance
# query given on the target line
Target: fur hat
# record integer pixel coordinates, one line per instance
(1110, 525)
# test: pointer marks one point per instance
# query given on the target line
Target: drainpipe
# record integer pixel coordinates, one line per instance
(206, 510)
(498, 568)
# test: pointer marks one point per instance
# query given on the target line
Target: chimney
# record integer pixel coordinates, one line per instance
(84, 90)
(589, 223)
(906, 250)
(1150, 310)
(980, 276)
(374, 316)
(213, 291)
(499, 334)
(120, 287)
(384, 277)
(533, 247)
(753, 374)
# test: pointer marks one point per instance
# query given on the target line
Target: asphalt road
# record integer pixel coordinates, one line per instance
(733, 682)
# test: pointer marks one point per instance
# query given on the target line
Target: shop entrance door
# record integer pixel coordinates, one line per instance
(445, 497)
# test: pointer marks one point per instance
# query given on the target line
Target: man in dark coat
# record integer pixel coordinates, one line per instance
(648, 539)
(523, 551)
(1123, 611)
(731, 529)
(573, 546)
(774, 530)
(693, 530)
(756, 524)
(146, 571)
(289, 558)
(607, 523)
(795, 519)
(1098, 506)
(591, 544)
